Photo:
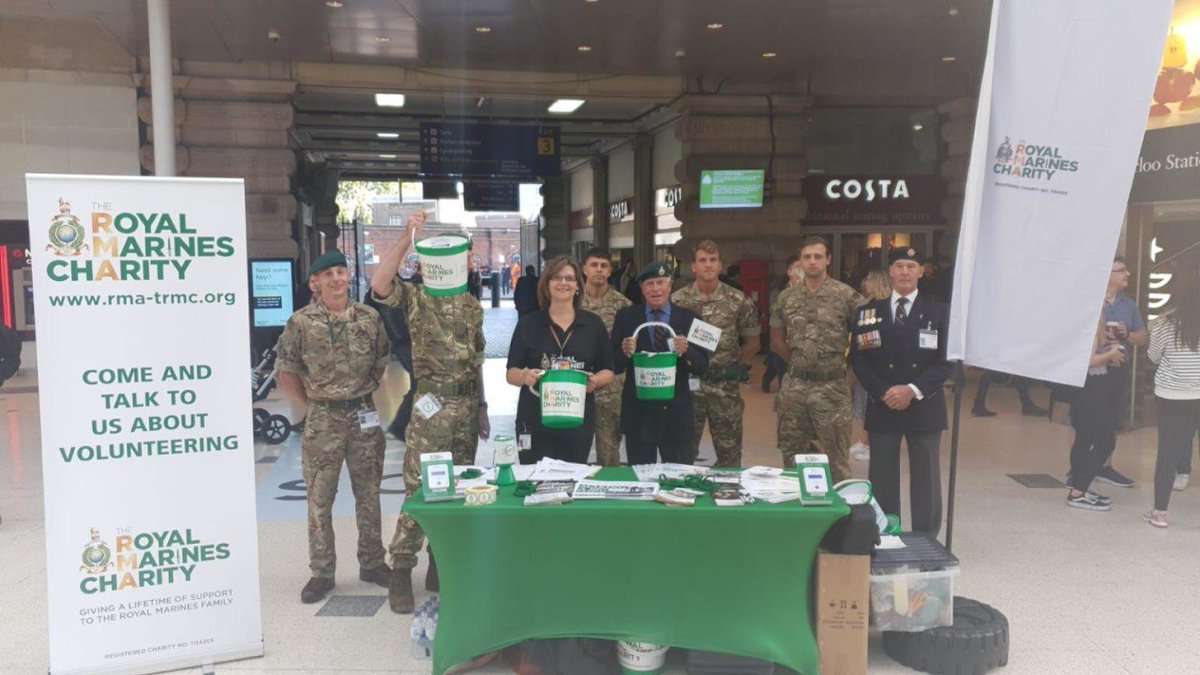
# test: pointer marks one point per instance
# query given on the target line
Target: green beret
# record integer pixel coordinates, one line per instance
(327, 260)
(655, 270)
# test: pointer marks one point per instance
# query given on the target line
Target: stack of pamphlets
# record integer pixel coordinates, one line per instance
(548, 469)
(732, 497)
(620, 490)
(651, 472)
(771, 489)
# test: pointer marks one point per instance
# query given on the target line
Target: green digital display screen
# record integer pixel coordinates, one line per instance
(731, 189)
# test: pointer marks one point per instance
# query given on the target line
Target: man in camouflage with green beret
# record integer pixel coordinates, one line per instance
(600, 298)
(332, 355)
(809, 330)
(719, 400)
(449, 410)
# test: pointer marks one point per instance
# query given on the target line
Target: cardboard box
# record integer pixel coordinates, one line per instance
(843, 604)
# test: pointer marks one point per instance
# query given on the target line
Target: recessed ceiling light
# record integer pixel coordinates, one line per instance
(716, 25)
(584, 48)
(483, 29)
(918, 126)
(387, 157)
(382, 38)
(769, 55)
(591, 2)
(565, 105)
(949, 59)
(334, 4)
(680, 53)
(953, 11)
(387, 134)
(389, 100)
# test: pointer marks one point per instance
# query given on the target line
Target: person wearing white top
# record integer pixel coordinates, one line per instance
(1175, 348)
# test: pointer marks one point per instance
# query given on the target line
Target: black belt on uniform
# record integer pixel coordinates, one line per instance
(347, 404)
(817, 375)
(464, 388)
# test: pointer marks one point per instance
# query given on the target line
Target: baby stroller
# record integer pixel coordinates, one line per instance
(274, 429)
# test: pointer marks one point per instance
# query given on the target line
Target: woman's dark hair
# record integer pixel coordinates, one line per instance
(552, 268)
(1186, 315)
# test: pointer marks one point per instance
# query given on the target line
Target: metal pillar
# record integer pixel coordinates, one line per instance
(162, 89)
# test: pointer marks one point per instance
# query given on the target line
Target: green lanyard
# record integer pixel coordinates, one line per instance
(333, 337)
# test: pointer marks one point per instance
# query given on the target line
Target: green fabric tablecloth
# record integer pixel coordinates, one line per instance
(720, 579)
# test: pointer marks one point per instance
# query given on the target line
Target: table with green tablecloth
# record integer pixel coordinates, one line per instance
(721, 579)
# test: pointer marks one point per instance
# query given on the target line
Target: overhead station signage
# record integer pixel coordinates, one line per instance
(491, 197)
(521, 152)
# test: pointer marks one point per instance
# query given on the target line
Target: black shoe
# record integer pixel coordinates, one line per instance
(1033, 410)
(983, 412)
(431, 575)
(380, 574)
(315, 590)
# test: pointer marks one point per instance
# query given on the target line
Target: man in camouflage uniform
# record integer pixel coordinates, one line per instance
(447, 354)
(603, 300)
(332, 355)
(719, 400)
(809, 330)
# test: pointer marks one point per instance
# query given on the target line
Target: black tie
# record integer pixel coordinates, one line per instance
(658, 336)
(901, 313)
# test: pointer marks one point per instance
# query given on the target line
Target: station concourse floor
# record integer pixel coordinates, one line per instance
(1083, 591)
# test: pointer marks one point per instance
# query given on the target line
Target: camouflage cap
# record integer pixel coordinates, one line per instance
(655, 270)
(327, 260)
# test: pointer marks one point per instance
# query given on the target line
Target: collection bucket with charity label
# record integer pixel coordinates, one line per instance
(640, 657)
(444, 264)
(564, 394)
(654, 372)
(858, 491)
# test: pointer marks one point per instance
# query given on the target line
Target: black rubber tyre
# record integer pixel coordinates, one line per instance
(976, 643)
(277, 429)
(261, 417)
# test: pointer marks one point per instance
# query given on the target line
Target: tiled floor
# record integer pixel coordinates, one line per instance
(1084, 592)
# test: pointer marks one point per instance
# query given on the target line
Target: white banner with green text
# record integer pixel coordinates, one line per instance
(141, 295)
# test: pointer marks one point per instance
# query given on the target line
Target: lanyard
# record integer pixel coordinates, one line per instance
(333, 337)
(562, 344)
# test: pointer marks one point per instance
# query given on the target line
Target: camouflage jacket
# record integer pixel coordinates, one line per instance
(815, 323)
(728, 309)
(606, 307)
(336, 360)
(447, 332)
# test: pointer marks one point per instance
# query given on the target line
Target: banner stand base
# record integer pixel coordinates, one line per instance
(206, 662)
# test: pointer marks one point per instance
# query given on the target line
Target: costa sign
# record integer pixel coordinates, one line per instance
(873, 200)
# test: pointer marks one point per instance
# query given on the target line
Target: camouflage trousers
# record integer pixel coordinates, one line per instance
(608, 423)
(815, 413)
(720, 404)
(332, 436)
(455, 429)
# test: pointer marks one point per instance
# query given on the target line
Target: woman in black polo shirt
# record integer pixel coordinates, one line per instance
(559, 335)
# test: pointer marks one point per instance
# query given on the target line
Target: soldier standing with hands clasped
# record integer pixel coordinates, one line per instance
(332, 356)
(808, 329)
(450, 413)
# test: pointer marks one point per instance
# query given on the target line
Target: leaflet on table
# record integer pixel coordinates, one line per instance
(548, 469)
(771, 489)
(732, 498)
(651, 472)
(607, 489)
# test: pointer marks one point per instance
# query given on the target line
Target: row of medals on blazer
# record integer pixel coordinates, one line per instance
(869, 317)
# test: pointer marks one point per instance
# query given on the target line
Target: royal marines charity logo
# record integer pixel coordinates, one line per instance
(1027, 160)
(67, 237)
(97, 557)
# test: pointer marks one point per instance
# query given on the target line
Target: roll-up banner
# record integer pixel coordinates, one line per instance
(1062, 109)
(140, 291)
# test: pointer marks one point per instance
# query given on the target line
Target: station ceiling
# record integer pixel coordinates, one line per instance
(765, 40)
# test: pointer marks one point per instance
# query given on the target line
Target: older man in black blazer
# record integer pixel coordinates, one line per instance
(654, 428)
(898, 353)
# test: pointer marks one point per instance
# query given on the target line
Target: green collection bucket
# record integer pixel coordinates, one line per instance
(654, 372)
(564, 395)
(444, 264)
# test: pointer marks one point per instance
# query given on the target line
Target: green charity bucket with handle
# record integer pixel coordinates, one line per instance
(641, 658)
(654, 372)
(563, 393)
(444, 264)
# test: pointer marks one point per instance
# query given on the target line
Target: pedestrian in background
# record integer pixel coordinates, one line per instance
(1175, 348)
